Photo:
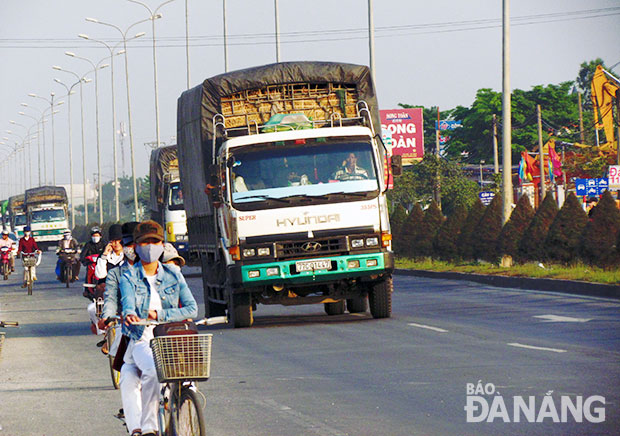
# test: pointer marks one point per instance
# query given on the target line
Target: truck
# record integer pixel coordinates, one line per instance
(17, 215)
(46, 210)
(285, 179)
(166, 201)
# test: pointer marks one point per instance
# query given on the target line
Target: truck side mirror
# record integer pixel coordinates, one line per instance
(397, 165)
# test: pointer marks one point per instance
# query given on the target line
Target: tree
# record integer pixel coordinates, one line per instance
(431, 222)
(397, 219)
(531, 246)
(490, 227)
(470, 229)
(513, 231)
(446, 241)
(598, 244)
(562, 243)
(403, 245)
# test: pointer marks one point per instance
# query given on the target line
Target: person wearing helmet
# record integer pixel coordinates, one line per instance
(27, 244)
(92, 248)
(67, 243)
(5, 241)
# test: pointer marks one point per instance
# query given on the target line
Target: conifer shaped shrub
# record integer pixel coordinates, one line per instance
(446, 241)
(432, 220)
(403, 242)
(562, 243)
(598, 243)
(489, 229)
(397, 219)
(469, 232)
(531, 245)
(509, 238)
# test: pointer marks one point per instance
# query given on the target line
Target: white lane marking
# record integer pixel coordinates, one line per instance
(559, 318)
(532, 347)
(428, 327)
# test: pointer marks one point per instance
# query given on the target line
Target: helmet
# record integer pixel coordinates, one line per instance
(94, 230)
(5, 232)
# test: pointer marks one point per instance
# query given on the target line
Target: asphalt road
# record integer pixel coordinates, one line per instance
(301, 372)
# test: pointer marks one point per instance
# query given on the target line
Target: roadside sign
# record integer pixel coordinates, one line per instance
(591, 187)
(580, 187)
(486, 197)
(448, 124)
(406, 129)
(603, 185)
(614, 177)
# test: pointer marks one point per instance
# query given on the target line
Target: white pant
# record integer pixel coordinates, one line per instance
(92, 314)
(34, 274)
(140, 388)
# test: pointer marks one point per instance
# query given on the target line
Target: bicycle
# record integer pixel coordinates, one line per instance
(30, 260)
(180, 360)
(68, 255)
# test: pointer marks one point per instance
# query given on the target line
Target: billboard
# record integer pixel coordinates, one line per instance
(406, 130)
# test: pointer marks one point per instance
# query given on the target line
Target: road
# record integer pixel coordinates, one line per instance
(301, 372)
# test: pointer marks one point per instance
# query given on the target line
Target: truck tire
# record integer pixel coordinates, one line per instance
(242, 311)
(215, 309)
(336, 308)
(380, 298)
(357, 305)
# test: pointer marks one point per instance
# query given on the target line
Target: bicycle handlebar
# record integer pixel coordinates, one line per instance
(9, 324)
(38, 253)
(205, 321)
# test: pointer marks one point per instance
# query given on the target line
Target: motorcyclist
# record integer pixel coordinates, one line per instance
(28, 245)
(67, 243)
(5, 241)
(94, 246)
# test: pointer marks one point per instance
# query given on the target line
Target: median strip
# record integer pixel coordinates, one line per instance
(428, 327)
(532, 347)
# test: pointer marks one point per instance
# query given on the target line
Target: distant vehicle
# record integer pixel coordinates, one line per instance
(17, 215)
(46, 208)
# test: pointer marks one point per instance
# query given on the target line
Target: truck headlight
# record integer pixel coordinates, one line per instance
(372, 242)
(263, 251)
(274, 271)
(357, 243)
(249, 252)
(253, 274)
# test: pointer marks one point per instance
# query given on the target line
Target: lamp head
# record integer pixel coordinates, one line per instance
(83, 36)
(92, 20)
(32, 95)
(56, 67)
(69, 53)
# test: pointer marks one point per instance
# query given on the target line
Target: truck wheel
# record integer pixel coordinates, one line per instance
(336, 308)
(357, 305)
(216, 309)
(242, 311)
(380, 298)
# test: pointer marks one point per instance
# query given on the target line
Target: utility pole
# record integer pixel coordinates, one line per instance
(277, 19)
(581, 134)
(541, 154)
(438, 157)
(371, 41)
(495, 156)
(506, 115)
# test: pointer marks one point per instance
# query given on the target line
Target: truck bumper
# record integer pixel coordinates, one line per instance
(285, 272)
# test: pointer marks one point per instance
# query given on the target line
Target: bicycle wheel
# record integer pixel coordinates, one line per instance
(187, 418)
(30, 281)
(116, 375)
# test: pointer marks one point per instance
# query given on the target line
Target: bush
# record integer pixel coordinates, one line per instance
(598, 243)
(489, 229)
(562, 243)
(403, 244)
(397, 219)
(531, 246)
(469, 231)
(512, 232)
(446, 241)
(431, 222)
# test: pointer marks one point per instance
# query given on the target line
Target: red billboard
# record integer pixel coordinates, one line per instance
(405, 129)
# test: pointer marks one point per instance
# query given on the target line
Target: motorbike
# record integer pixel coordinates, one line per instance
(90, 268)
(5, 261)
(69, 258)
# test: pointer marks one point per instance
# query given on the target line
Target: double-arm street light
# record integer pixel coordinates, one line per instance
(52, 104)
(36, 120)
(81, 79)
(96, 67)
(16, 148)
(133, 162)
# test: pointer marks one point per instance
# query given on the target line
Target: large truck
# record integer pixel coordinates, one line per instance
(17, 215)
(285, 179)
(46, 208)
(167, 197)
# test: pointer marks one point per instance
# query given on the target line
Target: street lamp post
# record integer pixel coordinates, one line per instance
(69, 90)
(52, 104)
(95, 68)
(81, 80)
(133, 162)
(154, 16)
(36, 120)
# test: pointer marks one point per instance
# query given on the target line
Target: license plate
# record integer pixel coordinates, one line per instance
(311, 265)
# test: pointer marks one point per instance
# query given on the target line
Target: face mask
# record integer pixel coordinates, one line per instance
(96, 239)
(130, 253)
(27, 234)
(150, 252)
(67, 237)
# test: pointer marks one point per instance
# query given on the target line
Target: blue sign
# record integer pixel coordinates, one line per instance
(486, 197)
(448, 124)
(591, 187)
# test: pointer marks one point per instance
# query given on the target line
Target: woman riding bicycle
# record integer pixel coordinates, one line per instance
(28, 245)
(149, 290)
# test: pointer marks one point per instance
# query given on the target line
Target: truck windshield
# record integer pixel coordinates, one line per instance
(47, 215)
(175, 197)
(20, 220)
(321, 170)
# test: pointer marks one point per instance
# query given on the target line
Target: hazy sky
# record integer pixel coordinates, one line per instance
(426, 53)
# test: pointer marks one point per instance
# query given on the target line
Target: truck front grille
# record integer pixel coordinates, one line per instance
(311, 248)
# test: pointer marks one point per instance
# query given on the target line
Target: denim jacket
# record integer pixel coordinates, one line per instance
(172, 289)
(112, 295)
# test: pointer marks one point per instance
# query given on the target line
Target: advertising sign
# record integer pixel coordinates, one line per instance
(448, 124)
(614, 177)
(407, 132)
(486, 197)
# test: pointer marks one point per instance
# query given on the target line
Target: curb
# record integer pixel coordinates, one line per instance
(549, 285)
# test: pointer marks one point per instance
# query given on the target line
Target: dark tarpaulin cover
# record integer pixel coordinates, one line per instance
(46, 194)
(16, 201)
(197, 106)
(161, 159)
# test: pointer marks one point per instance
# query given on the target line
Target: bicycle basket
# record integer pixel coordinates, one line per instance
(182, 357)
(30, 261)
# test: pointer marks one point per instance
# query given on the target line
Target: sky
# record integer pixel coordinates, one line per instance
(426, 53)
